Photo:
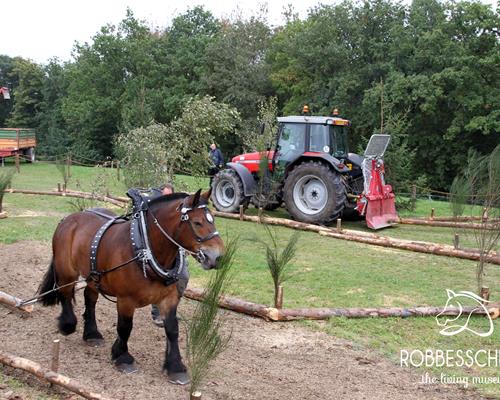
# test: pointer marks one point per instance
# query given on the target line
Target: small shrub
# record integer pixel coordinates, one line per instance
(5, 180)
(204, 339)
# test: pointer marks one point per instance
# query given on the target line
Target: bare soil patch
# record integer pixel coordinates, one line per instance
(264, 361)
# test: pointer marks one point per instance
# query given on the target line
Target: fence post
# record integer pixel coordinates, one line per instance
(432, 213)
(278, 299)
(413, 197)
(18, 166)
(484, 215)
(456, 241)
(54, 362)
(118, 170)
(68, 162)
(242, 212)
(339, 225)
(485, 294)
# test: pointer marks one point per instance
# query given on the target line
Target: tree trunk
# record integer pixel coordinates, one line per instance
(53, 377)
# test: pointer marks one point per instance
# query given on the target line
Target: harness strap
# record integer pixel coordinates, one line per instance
(146, 254)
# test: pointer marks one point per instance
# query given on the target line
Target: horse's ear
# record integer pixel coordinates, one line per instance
(207, 194)
(196, 199)
(450, 293)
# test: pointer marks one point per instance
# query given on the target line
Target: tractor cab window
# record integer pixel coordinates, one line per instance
(291, 142)
(338, 135)
(319, 140)
(331, 139)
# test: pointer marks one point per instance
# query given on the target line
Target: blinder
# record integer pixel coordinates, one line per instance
(210, 219)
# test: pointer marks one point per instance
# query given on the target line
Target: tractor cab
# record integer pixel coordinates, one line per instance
(302, 134)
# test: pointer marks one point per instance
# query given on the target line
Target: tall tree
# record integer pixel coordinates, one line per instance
(52, 135)
(237, 73)
(183, 48)
(9, 80)
(28, 94)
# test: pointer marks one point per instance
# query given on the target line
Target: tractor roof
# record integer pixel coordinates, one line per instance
(307, 119)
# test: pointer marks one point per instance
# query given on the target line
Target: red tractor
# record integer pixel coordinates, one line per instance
(311, 171)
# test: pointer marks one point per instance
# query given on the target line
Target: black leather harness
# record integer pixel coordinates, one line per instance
(140, 241)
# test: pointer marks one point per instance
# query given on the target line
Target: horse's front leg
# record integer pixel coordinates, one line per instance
(119, 352)
(174, 367)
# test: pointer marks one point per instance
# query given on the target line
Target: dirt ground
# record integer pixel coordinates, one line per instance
(263, 361)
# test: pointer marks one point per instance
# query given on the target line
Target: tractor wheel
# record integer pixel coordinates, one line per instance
(227, 191)
(314, 193)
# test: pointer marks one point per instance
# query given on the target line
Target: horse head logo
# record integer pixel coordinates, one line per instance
(452, 324)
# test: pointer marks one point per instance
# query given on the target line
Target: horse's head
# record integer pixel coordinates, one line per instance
(195, 229)
(442, 319)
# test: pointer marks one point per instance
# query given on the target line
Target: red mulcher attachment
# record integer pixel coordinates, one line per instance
(377, 201)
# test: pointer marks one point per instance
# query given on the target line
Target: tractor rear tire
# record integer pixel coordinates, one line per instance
(314, 193)
(227, 191)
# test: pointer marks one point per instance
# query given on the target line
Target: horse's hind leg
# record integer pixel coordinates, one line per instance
(67, 319)
(90, 332)
(175, 368)
(119, 352)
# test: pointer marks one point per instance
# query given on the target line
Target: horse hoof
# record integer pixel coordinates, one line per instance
(178, 378)
(95, 342)
(127, 368)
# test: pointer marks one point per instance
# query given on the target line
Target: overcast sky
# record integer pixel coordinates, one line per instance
(42, 29)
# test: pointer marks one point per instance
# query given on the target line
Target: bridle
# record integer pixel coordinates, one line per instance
(184, 217)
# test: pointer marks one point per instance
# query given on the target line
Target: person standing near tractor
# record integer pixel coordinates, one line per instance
(217, 161)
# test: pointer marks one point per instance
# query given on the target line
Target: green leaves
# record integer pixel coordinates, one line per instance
(5, 179)
(205, 340)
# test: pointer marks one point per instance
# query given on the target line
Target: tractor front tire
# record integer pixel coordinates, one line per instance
(227, 191)
(314, 193)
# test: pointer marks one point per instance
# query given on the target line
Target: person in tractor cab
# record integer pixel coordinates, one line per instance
(167, 189)
(217, 161)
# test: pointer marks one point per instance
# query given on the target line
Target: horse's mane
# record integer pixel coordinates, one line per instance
(173, 197)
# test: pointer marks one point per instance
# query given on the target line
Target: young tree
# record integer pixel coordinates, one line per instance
(202, 122)
(146, 159)
(479, 186)
(279, 261)
(204, 338)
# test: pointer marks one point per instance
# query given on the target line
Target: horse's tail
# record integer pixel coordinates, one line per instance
(48, 284)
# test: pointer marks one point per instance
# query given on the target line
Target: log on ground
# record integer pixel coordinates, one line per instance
(371, 238)
(82, 195)
(292, 314)
(450, 224)
(417, 246)
(14, 302)
(53, 377)
(238, 305)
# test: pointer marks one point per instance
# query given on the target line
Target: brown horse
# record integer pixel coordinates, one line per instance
(170, 221)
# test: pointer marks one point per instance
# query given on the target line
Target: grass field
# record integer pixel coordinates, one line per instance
(325, 273)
